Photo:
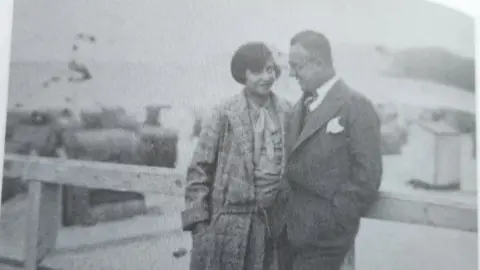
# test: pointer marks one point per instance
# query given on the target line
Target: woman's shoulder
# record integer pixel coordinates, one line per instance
(224, 106)
(232, 103)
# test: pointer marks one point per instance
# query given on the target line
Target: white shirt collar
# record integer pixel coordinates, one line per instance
(322, 92)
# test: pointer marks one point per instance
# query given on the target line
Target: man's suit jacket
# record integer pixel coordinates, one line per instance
(333, 177)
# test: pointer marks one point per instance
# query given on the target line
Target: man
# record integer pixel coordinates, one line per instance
(334, 165)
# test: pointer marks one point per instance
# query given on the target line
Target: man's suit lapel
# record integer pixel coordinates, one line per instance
(240, 119)
(330, 105)
(294, 126)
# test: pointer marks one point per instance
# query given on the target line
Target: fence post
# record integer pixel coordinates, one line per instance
(43, 220)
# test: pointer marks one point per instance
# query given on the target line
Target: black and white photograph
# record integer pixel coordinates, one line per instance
(239, 135)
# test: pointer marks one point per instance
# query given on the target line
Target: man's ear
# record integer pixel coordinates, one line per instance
(318, 61)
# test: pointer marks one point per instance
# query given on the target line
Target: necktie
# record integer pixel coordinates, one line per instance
(308, 99)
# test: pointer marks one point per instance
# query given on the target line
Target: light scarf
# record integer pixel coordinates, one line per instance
(263, 129)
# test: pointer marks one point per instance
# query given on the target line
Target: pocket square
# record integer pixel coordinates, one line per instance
(334, 126)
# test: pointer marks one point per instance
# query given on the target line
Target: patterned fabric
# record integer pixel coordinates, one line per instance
(220, 188)
(268, 172)
(261, 249)
(268, 152)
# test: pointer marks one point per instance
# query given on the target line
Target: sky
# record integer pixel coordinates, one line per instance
(194, 31)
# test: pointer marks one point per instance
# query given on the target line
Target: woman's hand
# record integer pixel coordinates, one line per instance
(201, 227)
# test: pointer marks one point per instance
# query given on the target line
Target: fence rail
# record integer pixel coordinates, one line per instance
(46, 175)
(94, 174)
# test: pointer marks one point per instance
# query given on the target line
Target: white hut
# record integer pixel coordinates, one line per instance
(435, 150)
(468, 163)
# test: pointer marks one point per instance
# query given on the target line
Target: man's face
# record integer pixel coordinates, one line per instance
(306, 70)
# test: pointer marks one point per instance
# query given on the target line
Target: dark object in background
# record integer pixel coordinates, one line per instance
(79, 68)
(437, 65)
(393, 140)
(112, 136)
(11, 188)
(86, 37)
(197, 127)
(108, 118)
(153, 114)
(105, 145)
(159, 147)
(37, 130)
(419, 184)
(382, 50)
(180, 253)
(159, 143)
(394, 135)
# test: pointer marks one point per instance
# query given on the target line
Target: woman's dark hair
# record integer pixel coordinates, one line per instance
(252, 56)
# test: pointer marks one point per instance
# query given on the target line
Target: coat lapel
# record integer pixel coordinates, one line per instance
(323, 113)
(294, 126)
(281, 111)
(242, 127)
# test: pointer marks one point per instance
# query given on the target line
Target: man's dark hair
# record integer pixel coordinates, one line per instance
(252, 56)
(315, 43)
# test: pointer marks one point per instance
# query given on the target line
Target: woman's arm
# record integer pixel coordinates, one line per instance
(200, 173)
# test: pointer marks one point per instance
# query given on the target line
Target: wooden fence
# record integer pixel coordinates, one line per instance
(46, 175)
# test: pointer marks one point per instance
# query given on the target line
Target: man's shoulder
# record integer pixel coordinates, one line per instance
(359, 104)
(357, 98)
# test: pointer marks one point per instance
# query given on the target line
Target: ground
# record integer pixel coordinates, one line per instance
(380, 245)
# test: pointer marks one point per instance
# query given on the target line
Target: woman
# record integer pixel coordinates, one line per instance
(234, 193)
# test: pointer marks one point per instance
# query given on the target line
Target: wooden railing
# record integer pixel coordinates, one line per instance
(46, 175)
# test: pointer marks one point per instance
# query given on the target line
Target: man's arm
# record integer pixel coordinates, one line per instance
(360, 192)
(200, 174)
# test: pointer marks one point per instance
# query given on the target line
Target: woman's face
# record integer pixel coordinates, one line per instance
(260, 83)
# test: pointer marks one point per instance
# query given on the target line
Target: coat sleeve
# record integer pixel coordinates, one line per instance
(360, 192)
(200, 173)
